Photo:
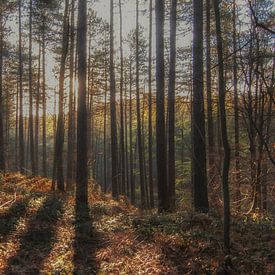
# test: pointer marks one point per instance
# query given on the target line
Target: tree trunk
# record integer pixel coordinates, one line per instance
(236, 105)
(171, 106)
(163, 204)
(70, 148)
(115, 175)
(105, 125)
(132, 178)
(81, 167)
(150, 127)
(139, 135)
(122, 145)
(21, 122)
(37, 119)
(199, 176)
(59, 140)
(210, 127)
(2, 143)
(44, 110)
(127, 181)
(226, 147)
(31, 134)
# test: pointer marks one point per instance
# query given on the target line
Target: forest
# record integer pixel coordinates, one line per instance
(137, 137)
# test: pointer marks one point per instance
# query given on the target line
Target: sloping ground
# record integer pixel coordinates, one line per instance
(39, 233)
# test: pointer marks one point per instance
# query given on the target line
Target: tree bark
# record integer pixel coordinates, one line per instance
(81, 167)
(115, 175)
(122, 145)
(171, 106)
(44, 107)
(59, 140)
(199, 176)
(2, 142)
(139, 134)
(226, 147)
(163, 204)
(70, 148)
(150, 127)
(132, 178)
(37, 119)
(21, 122)
(236, 105)
(210, 127)
(31, 134)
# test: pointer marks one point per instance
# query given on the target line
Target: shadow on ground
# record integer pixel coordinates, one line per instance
(10, 219)
(87, 241)
(36, 244)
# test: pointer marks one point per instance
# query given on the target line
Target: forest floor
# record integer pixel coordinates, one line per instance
(39, 234)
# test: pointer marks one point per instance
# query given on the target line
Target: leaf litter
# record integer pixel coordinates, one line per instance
(125, 240)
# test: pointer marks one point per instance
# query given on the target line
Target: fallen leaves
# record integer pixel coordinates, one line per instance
(122, 240)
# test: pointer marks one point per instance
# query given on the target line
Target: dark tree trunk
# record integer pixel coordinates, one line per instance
(126, 141)
(236, 105)
(150, 127)
(37, 119)
(105, 126)
(59, 140)
(122, 149)
(210, 127)
(139, 134)
(199, 176)
(81, 167)
(115, 175)
(44, 110)
(171, 106)
(226, 147)
(31, 134)
(21, 120)
(132, 178)
(2, 143)
(163, 204)
(70, 148)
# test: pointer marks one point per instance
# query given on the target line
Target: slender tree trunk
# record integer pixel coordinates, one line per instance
(122, 150)
(115, 175)
(163, 204)
(105, 127)
(70, 148)
(199, 176)
(150, 127)
(126, 141)
(132, 178)
(90, 136)
(16, 124)
(31, 134)
(171, 106)
(143, 146)
(37, 119)
(139, 134)
(236, 105)
(59, 141)
(44, 110)
(2, 142)
(82, 169)
(210, 127)
(226, 147)
(21, 122)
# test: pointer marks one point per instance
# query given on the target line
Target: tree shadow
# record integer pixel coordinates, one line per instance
(87, 241)
(171, 255)
(10, 219)
(36, 244)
